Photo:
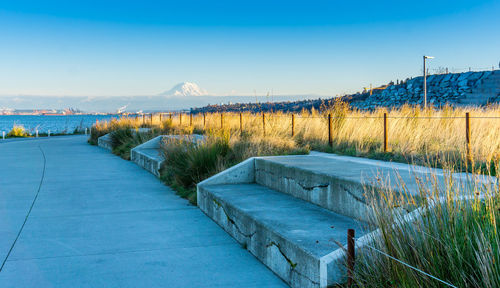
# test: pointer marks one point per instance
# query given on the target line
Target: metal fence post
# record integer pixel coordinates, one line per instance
(467, 137)
(160, 117)
(204, 120)
(180, 119)
(221, 120)
(350, 257)
(190, 119)
(263, 123)
(330, 139)
(385, 132)
(241, 124)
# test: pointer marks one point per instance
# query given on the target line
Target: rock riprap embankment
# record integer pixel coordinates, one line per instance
(477, 88)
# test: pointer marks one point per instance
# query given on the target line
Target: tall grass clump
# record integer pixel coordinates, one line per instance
(453, 235)
(187, 163)
(123, 140)
(18, 131)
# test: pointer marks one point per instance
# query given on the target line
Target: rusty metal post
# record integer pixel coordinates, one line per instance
(204, 120)
(170, 116)
(160, 117)
(221, 120)
(151, 116)
(263, 124)
(241, 124)
(467, 137)
(190, 119)
(330, 138)
(143, 118)
(180, 119)
(350, 257)
(293, 124)
(385, 132)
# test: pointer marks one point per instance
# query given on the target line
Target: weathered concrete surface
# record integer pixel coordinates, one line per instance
(316, 180)
(148, 155)
(148, 158)
(243, 172)
(294, 238)
(105, 142)
(339, 183)
(408, 172)
(100, 221)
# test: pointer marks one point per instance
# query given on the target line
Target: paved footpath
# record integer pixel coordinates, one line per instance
(74, 215)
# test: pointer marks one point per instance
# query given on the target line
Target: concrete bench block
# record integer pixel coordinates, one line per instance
(149, 155)
(338, 194)
(105, 142)
(297, 240)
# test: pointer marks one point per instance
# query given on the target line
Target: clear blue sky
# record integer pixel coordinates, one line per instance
(94, 48)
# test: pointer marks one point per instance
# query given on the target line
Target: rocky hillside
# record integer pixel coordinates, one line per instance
(471, 88)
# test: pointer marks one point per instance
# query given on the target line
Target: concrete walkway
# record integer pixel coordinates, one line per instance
(95, 220)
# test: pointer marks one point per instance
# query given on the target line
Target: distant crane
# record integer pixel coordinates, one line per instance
(121, 109)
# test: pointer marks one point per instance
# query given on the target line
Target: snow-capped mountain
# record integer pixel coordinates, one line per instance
(185, 89)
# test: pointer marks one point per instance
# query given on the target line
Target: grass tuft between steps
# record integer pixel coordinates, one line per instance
(189, 163)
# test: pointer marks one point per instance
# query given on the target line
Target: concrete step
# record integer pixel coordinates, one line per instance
(105, 142)
(149, 155)
(336, 183)
(296, 239)
(150, 159)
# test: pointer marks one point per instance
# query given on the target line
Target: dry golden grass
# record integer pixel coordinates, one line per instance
(414, 135)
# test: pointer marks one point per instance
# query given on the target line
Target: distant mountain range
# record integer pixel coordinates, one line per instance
(182, 96)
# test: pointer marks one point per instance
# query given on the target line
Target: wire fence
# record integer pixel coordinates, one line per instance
(351, 259)
(409, 266)
(287, 124)
(446, 70)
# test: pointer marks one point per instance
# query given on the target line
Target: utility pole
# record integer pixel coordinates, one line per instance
(425, 81)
